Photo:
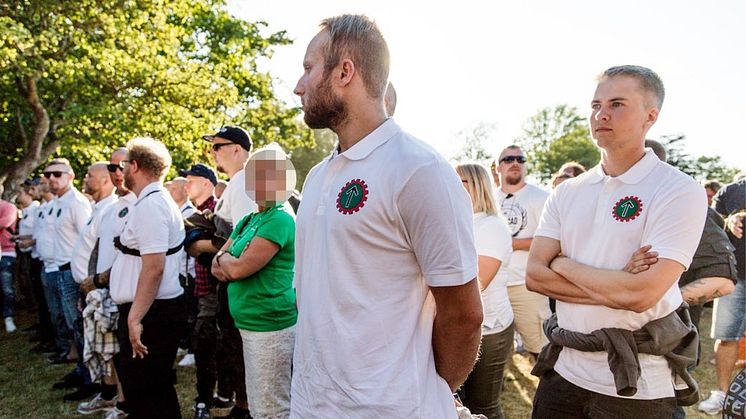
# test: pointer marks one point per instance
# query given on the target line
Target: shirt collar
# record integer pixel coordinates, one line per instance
(370, 142)
(67, 195)
(634, 174)
(104, 201)
(155, 186)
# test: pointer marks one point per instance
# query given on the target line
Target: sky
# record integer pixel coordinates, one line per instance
(458, 64)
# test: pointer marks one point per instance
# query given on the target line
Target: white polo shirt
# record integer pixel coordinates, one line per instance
(113, 220)
(87, 239)
(379, 224)
(492, 239)
(45, 235)
(600, 221)
(71, 213)
(26, 224)
(523, 211)
(235, 203)
(154, 226)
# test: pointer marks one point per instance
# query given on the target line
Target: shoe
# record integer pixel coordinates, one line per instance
(187, 361)
(714, 404)
(30, 329)
(96, 404)
(10, 327)
(61, 359)
(181, 352)
(221, 407)
(69, 381)
(83, 392)
(115, 413)
(201, 411)
(238, 413)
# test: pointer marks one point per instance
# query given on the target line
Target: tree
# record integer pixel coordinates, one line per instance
(473, 144)
(80, 78)
(701, 167)
(555, 136)
(306, 157)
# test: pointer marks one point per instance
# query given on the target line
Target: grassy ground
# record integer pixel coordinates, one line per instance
(26, 380)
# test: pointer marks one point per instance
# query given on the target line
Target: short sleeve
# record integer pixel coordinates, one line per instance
(493, 239)
(549, 223)
(279, 229)
(152, 237)
(676, 223)
(436, 213)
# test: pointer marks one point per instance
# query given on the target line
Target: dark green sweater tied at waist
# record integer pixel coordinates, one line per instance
(673, 337)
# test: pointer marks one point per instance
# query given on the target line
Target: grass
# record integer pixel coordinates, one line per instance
(26, 380)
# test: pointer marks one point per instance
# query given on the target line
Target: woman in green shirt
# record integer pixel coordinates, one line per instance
(258, 262)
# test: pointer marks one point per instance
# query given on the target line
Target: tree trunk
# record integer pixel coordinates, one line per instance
(34, 150)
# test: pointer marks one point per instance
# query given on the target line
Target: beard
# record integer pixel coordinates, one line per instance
(512, 179)
(327, 110)
(129, 181)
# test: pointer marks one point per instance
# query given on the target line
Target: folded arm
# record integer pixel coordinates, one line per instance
(542, 279)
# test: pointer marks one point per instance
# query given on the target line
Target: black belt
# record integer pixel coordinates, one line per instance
(65, 267)
(134, 252)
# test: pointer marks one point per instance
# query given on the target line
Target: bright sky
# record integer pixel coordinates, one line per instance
(461, 63)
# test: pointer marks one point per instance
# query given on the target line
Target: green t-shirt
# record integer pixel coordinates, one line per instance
(265, 301)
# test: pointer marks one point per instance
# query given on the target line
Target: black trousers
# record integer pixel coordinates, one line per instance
(205, 348)
(557, 398)
(148, 383)
(46, 331)
(229, 356)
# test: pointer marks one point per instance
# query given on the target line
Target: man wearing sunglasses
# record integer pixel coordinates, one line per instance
(522, 203)
(72, 212)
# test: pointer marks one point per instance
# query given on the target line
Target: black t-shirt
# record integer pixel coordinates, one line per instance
(731, 199)
(714, 254)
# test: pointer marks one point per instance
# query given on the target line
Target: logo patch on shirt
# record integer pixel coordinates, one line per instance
(124, 212)
(352, 197)
(627, 208)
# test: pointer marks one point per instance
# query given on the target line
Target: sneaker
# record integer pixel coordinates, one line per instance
(181, 352)
(201, 411)
(714, 404)
(10, 327)
(96, 404)
(83, 392)
(187, 361)
(221, 407)
(115, 413)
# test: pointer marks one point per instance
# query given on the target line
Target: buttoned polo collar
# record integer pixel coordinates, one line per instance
(370, 142)
(633, 175)
(155, 186)
(67, 195)
(104, 201)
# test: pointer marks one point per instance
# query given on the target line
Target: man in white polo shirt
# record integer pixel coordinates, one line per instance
(597, 221)
(384, 239)
(521, 204)
(145, 284)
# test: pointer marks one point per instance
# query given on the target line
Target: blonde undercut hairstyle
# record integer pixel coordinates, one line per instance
(151, 156)
(479, 184)
(358, 37)
(648, 79)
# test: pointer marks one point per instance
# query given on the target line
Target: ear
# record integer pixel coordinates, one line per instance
(347, 71)
(652, 117)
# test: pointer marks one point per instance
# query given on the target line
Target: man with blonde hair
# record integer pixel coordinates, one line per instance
(145, 284)
(375, 257)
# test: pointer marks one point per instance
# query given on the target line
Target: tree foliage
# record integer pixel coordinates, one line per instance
(701, 167)
(81, 78)
(306, 157)
(473, 144)
(554, 136)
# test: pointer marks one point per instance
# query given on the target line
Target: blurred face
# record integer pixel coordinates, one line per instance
(130, 167)
(466, 183)
(710, 194)
(92, 182)
(512, 166)
(23, 199)
(621, 113)
(321, 107)
(58, 178)
(177, 190)
(116, 174)
(268, 181)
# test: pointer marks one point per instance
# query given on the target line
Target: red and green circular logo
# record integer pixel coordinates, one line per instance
(352, 197)
(627, 208)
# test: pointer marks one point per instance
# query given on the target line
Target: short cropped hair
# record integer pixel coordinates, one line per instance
(479, 184)
(648, 79)
(60, 160)
(576, 168)
(658, 149)
(712, 185)
(151, 156)
(359, 37)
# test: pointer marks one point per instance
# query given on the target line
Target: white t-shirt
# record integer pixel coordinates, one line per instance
(379, 225)
(44, 235)
(113, 220)
(26, 224)
(155, 226)
(71, 213)
(523, 211)
(87, 239)
(492, 238)
(235, 203)
(600, 221)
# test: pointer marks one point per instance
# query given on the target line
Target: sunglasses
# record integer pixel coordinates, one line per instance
(112, 168)
(511, 159)
(55, 173)
(122, 163)
(218, 146)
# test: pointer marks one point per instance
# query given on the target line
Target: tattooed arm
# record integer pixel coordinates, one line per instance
(706, 289)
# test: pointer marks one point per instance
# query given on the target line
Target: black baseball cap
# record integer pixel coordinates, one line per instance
(236, 135)
(200, 170)
(32, 181)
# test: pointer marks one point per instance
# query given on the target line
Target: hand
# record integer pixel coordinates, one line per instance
(87, 285)
(641, 260)
(734, 223)
(138, 349)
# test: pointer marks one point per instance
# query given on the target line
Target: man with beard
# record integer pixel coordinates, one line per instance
(384, 241)
(145, 284)
(522, 203)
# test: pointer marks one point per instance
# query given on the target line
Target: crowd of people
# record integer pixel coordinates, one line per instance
(403, 282)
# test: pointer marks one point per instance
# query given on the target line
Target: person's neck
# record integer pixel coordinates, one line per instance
(508, 188)
(101, 195)
(200, 200)
(123, 191)
(48, 196)
(617, 162)
(358, 125)
(234, 168)
(142, 184)
(63, 191)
